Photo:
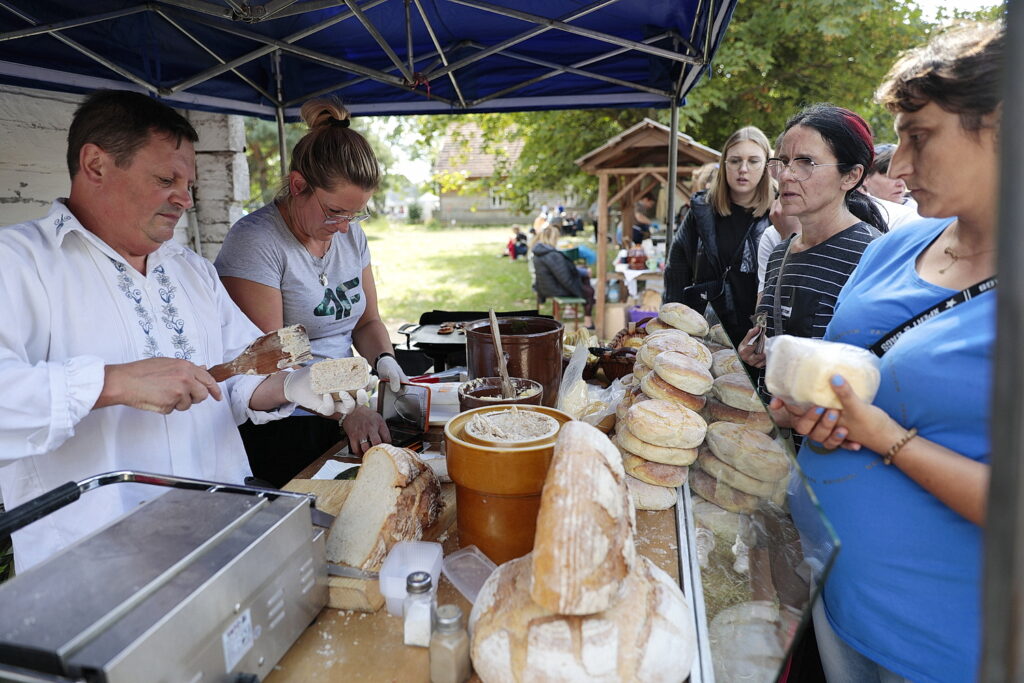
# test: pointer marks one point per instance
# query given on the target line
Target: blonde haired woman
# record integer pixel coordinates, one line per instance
(713, 259)
(304, 258)
(557, 275)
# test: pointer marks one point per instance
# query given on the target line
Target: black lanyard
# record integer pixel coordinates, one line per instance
(889, 340)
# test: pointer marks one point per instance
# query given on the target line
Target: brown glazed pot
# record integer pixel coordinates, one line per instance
(532, 346)
(497, 489)
(486, 391)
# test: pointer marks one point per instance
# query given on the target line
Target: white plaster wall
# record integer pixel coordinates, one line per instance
(33, 169)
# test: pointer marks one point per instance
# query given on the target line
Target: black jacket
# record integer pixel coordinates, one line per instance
(556, 274)
(694, 258)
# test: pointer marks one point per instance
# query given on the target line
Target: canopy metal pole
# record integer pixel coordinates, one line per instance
(673, 162)
(602, 253)
(1003, 600)
(282, 144)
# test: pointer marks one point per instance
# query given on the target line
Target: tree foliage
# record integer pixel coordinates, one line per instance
(775, 59)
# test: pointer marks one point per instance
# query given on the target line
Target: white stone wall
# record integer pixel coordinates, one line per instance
(33, 166)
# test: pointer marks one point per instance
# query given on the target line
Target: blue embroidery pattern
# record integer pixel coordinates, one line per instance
(59, 222)
(145, 320)
(170, 315)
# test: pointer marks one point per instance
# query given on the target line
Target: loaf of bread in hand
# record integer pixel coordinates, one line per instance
(394, 497)
(583, 548)
(647, 635)
(799, 371)
(339, 375)
(665, 423)
(682, 317)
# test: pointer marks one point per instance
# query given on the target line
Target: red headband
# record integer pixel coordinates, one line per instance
(862, 130)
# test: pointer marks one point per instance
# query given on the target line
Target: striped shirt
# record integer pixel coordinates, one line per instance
(811, 283)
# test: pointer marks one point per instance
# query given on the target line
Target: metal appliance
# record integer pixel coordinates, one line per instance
(207, 582)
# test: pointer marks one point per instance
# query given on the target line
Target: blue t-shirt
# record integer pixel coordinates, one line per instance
(905, 589)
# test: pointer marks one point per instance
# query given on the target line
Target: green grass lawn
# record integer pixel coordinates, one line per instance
(418, 269)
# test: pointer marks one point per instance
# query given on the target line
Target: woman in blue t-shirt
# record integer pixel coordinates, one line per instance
(904, 480)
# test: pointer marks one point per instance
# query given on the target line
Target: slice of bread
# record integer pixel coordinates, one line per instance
(395, 497)
(340, 374)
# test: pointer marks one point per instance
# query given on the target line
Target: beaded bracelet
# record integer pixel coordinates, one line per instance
(895, 448)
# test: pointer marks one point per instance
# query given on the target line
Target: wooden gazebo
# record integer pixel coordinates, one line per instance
(630, 165)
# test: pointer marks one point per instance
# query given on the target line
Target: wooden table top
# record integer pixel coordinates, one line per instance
(355, 646)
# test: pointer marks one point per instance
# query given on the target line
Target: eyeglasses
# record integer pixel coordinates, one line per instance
(736, 162)
(801, 168)
(335, 218)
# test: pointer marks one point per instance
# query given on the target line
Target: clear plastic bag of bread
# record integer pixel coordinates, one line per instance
(800, 370)
(588, 402)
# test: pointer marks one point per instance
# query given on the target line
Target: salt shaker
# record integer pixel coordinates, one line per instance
(449, 647)
(417, 609)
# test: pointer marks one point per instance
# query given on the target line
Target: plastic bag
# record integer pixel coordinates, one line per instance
(800, 370)
(587, 402)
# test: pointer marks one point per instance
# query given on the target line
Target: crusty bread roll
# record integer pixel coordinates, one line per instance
(720, 521)
(730, 475)
(716, 411)
(749, 639)
(627, 441)
(654, 324)
(665, 423)
(683, 372)
(627, 381)
(721, 494)
(718, 335)
(654, 473)
(679, 342)
(648, 496)
(339, 375)
(682, 317)
(655, 387)
(725, 361)
(714, 347)
(648, 635)
(751, 452)
(641, 370)
(735, 389)
(800, 371)
(584, 547)
(395, 497)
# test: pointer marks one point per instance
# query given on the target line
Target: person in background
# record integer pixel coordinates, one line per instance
(713, 259)
(556, 275)
(516, 246)
(109, 326)
(303, 258)
(904, 479)
(889, 193)
(643, 219)
(819, 165)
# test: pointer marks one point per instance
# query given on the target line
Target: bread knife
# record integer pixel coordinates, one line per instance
(350, 572)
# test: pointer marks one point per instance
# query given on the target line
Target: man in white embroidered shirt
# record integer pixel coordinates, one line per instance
(108, 325)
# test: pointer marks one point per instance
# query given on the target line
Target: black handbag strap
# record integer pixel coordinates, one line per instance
(777, 298)
(888, 340)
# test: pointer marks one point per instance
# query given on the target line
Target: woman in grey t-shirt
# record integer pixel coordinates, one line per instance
(303, 259)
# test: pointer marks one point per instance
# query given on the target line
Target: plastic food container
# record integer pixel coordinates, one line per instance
(405, 558)
(467, 569)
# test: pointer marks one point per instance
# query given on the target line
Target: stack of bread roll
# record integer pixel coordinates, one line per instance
(583, 605)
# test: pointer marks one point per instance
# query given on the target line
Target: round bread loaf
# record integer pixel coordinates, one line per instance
(640, 370)
(721, 494)
(647, 635)
(713, 346)
(655, 387)
(716, 411)
(664, 423)
(730, 475)
(722, 522)
(631, 396)
(751, 452)
(686, 345)
(648, 496)
(749, 640)
(655, 324)
(683, 372)
(654, 473)
(682, 317)
(627, 441)
(735, 389)
(725, 361)
(718, 335)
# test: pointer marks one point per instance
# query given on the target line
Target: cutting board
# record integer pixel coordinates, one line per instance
(363, 595)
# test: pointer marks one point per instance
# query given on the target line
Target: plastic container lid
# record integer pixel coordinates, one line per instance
(405, 558)
(468, 569)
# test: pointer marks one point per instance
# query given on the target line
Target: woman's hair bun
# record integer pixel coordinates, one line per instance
(324, 111)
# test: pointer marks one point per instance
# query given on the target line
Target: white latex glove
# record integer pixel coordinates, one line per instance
(298, 389)
(388, 370)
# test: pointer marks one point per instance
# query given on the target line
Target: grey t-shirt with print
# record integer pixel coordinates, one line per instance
(261, 248)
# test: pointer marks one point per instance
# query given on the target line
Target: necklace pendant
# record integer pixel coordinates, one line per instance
(323, 279)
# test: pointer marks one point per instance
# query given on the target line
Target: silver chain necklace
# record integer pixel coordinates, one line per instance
(319, 263)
